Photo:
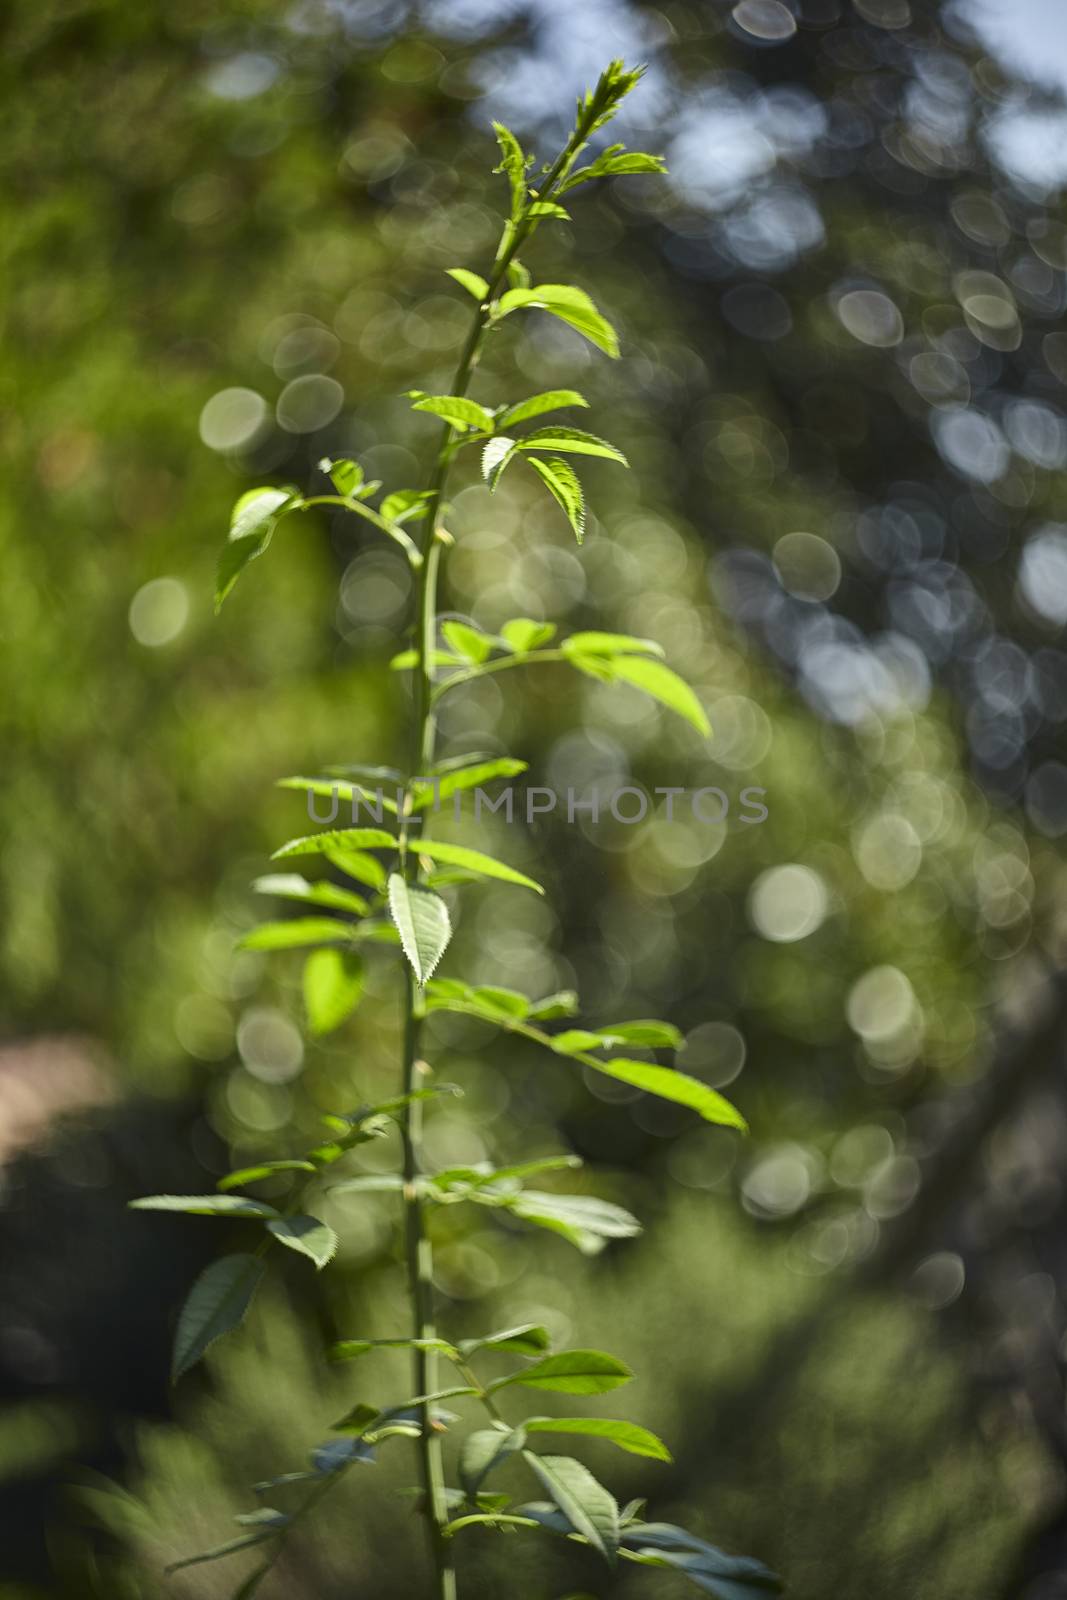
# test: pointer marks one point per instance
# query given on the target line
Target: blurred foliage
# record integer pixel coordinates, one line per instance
(842, 393)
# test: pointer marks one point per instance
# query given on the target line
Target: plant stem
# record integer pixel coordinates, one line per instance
(418, 1247)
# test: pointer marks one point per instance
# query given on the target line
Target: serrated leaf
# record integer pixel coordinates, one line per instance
(513, 164)
(292, 935)
(345, 475)
(333, 988)
(205, 1205)
(627, 1435)
(458, 855)
(471, 281)
(466, 641)
(563, 483)
(336, 839)
(421, 919)
(571, 1372)
(456, 410)
(291, 886)
(495, 457)
(669, 1084)
(537, 404)
(572, 441)
(307, 1235)
(473, 777)
(523, 634)
(215, 1305)
(482, 1451)
(262, 1169)
(586, 1504)
(594, 642)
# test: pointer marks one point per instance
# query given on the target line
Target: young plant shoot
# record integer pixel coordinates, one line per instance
(389, 896)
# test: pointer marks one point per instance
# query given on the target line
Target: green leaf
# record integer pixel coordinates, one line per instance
(572, 441)
(421, 919)
(612, 166)
(456, 410)
(204, 1205)
(405, 505)
(473, 777)
(484, 1450)
(563, 483)
(342, 789)
(358, 1420)
(524, 634)
(333, 987)
(410, 658)
(252, 523)
(650, 676)
(291, 886)
(297, 932)
(528, 1169)
(308, 1235)
(470, 281)
(627, 1435)
(495, 457)
(458, 855)
(571, 305)
(336, 839)
(528, 1339)
(669, 1084)
(345, 475)
(349, 1349)
(583, 1220)
(537, 404)
(586, 1504)
(728, 1577)
(513, 164)
(571, 1372)
(553, 1006)
(466, 641)
(518, 276)
(648, 1035)
(215, 1305)
(262, 1169)
(596, 643)
(355, 864)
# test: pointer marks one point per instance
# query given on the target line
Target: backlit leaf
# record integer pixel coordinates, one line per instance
(523, 634)
(571, 1372)
(470, 281)
(467, 641)
(308, 1235)
(669, 1084)
(563, 483)
(627, 1435)
(205, 1205)
(572, 441)
(482, 1451)
(537, 404)
(291, 886)
(292, 935)
(333, 987)
(421, 919)
(458, 855)
(336, 839)
(456, 410)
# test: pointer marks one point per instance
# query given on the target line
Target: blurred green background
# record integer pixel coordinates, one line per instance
(225, 234)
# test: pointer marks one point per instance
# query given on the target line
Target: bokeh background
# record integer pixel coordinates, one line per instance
(842, 388)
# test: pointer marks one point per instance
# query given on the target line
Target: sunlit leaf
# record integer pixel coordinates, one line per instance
(470, 281)
(307, 1235)
(459, 855)
(571, 1372)
(528, 1339)
(422, 921)
(456, 410)
(563, 483)
(291, 886)
(292, 935)
(627, 1435)
(345, 475)
(537, 404)
(466, 641)
(669, 1084)
(513, 164)
(205, 1205)
(262, 1169)
(523, 634)
(572, 441)
(495, 457)
(336, 839)
(473, 777)
(594, 642)
(333, 987)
